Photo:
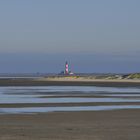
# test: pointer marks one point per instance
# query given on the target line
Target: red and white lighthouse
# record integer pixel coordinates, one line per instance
(66, 68)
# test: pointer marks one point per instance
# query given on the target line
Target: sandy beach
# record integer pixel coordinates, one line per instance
(105, 125)
(120, 124)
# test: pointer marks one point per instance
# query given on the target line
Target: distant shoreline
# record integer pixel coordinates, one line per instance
(69, 82)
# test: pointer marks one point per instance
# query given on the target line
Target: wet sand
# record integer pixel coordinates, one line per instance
(85, 82)
(21, 105)
(100, 125)
(74, 95)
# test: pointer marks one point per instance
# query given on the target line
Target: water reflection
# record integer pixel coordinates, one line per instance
(7, 100)
(48, 89)
(10, 95)
(64, 109)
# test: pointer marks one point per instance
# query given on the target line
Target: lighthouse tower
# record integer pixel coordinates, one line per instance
(66, 68)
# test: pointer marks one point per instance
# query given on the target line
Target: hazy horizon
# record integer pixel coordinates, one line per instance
(94, 36)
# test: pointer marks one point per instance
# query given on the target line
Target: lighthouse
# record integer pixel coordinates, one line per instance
(66, 68)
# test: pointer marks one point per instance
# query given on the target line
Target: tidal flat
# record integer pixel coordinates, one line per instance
(67, 112)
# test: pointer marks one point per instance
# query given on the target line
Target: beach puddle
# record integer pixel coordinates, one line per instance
(7, 100)
(122, 95)
(65, 109)
(67, 89)
(17, 95)
(29, 94)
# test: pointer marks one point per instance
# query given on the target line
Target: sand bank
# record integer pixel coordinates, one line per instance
(69, 82)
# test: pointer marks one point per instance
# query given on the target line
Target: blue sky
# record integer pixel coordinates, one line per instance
(93, 35)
